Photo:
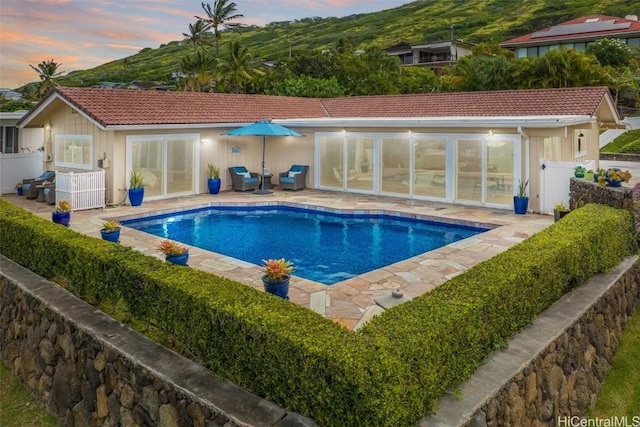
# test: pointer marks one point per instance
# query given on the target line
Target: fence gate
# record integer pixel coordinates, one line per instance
(554, 181)
(82, 190)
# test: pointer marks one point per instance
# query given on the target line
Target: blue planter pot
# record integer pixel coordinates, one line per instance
(136, 195)
(520, 205)
(111, 236)
(280, 288)
(612, 183)
(214, 185)
(61, 218)
(178, 259)
(20, 191)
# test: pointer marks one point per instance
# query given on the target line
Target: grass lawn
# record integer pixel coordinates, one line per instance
(17, 408)
(628, 142)
(620, 393)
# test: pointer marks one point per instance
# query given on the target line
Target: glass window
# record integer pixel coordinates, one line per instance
(532, 51)
(74, 151)
(499, 171)
(542, 50)
(522, 52)
(634, 41)
(8, 139)
(581, 46)
(395, 165)
(331, 162)
(429, 172)
(469, 170)
(359, 160)
(554, 47)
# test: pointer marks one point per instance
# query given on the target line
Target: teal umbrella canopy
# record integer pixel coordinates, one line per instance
(263, 128)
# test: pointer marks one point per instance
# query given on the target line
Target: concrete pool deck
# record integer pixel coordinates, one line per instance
(350, 302)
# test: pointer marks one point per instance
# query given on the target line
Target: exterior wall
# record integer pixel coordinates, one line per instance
(88, 369)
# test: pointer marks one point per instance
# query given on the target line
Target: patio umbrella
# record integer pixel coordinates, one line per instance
(263, 128)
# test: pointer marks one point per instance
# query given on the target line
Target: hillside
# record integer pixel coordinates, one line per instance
(415, 22)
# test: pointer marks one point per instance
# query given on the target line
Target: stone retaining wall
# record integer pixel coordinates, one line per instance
(620, 157)
(87, 369)
(90, 370)
(552, 369)
(582, 192)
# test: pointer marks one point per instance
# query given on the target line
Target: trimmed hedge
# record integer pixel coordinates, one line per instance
(391, 373)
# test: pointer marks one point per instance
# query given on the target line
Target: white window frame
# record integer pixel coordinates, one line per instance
(59, 139)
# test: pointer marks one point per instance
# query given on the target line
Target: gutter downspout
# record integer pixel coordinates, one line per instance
(526, 153)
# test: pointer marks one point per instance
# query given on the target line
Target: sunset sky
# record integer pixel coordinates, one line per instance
(81, 34)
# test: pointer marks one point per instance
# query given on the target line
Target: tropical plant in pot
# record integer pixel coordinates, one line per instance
(62, 213)
(19, 188)
(559, 211)
(615, 177)
(111, 231)
(579, 171)
(520, 200)
(174, 252)
(213, 179)
(277, 273)
(136, 189)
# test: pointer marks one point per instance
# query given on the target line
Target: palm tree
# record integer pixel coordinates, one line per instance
(237, 70)
(197, 33)
(219, 15)
(47, 71)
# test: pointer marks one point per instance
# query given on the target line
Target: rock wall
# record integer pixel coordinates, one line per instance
(582, 192)
(90, 370)
(553, 369)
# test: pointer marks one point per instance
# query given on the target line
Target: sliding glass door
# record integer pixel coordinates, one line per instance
(168, 163)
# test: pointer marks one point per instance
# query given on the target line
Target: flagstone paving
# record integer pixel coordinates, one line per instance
(351, 302)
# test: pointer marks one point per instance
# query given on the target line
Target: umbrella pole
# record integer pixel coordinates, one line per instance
(262, 190)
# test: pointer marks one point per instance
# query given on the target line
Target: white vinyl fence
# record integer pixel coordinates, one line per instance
(16, 167)
(82, 190)
(554, 182)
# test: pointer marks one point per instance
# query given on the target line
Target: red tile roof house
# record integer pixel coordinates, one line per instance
(577, 33)
(468, 148)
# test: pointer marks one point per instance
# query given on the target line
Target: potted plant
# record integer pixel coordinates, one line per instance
(174, 252)
(600, 177)
(111, 231)
(277, 273)
(521, 201)
(136, 189)
(579, 171)
(19, 188)
(615, 177)
(213, 179)
(588, 175)
(559, 211)
(62, 213)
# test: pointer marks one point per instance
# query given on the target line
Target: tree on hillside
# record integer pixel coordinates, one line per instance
(236, 70)
(611, 52)
(481, 72)
(197, 33)
(220, 15)
(47, 72)
(198, 70)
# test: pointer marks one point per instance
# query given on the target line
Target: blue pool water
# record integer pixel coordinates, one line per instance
(325, 247)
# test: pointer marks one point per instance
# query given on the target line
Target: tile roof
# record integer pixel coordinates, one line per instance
(140, 107)
(532, 102)
(578, 30)
(120, 107)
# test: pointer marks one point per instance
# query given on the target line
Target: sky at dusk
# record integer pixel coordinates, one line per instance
(82, 34)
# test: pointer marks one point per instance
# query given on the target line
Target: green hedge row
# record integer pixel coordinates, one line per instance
(391, 373)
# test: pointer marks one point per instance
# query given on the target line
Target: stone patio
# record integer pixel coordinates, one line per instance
(350, 302)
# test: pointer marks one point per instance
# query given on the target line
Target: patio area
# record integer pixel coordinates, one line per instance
(351, 302)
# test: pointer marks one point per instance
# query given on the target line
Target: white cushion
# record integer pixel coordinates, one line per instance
(293, 174)
(245, 174)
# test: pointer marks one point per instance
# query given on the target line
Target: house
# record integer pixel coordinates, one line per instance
(436, 56)
(577, 33)
(468, 148)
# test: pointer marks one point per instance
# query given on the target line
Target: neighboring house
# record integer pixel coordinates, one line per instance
(10, 95)
(436, 55)
(577, 33)
(469, 148)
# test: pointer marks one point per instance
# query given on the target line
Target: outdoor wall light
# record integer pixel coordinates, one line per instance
(490, 132)
(47, 126)
(581, 135)
(205, 140)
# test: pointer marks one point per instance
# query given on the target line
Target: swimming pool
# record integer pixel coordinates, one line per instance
(326, 247)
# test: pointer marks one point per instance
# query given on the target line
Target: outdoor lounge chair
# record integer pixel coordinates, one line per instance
(242, 179)
(294, 178)
(30, 185)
